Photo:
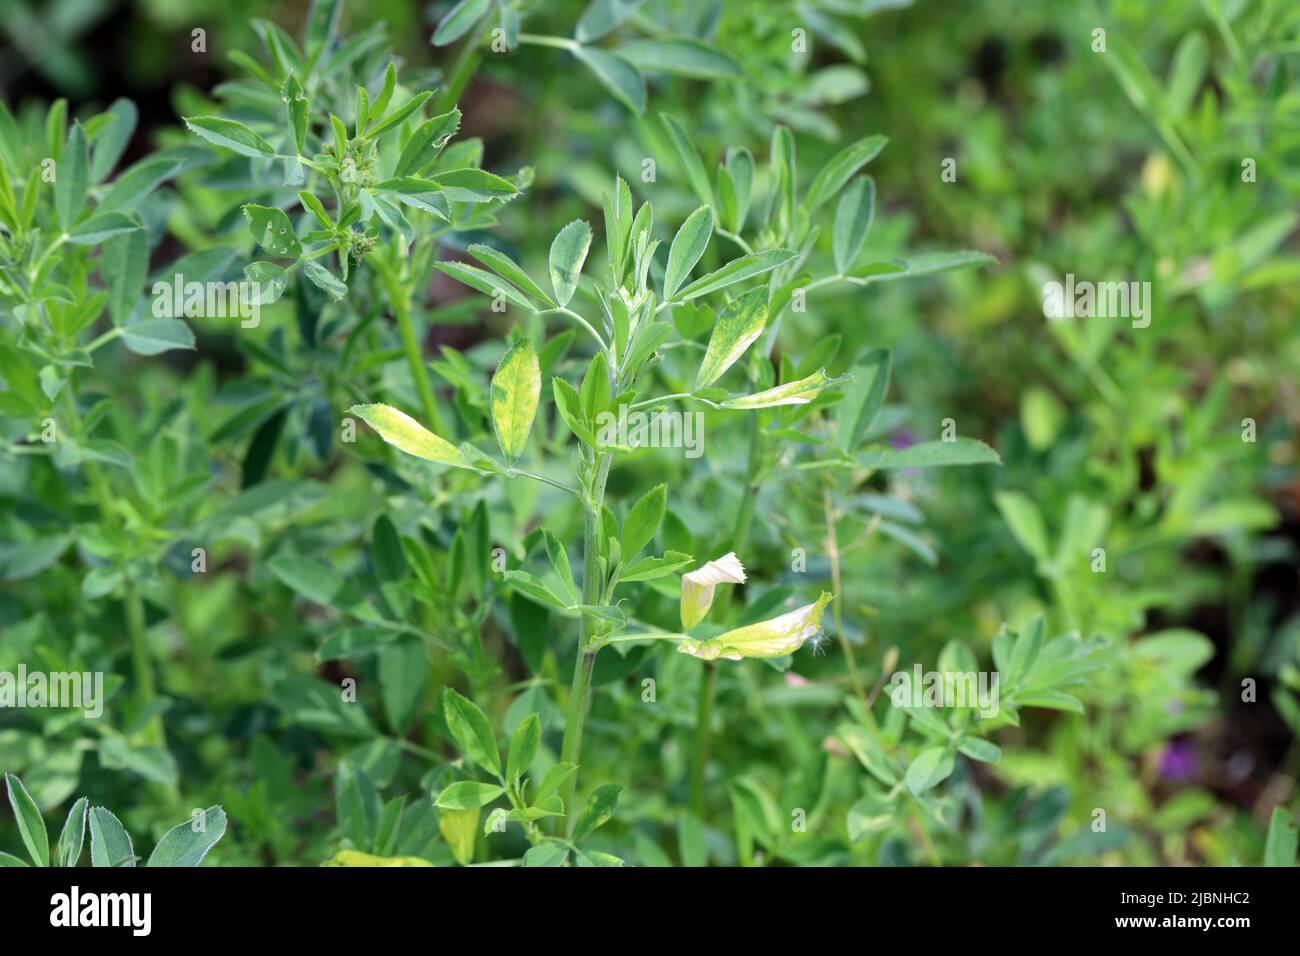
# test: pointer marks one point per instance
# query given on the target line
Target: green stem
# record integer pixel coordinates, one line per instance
(709, 683)
(837, 586)
(400, 300)
(703, 735)
(580, 692)
(141, 665)
(539, 39)
(463, 70)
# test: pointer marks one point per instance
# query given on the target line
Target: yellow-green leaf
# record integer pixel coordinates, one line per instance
(516, 388)
(739, 325)
(404, 432)
(800, 392)
(357, 858)
(772, 638)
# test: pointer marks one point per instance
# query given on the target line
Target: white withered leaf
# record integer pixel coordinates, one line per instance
(698, 585)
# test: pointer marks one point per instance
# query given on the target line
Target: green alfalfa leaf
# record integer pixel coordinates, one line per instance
(839, 169)
(533, 587)
(426, 143)
(388, 559)
(317, 582)
(740, 323)
(737, 270)
(404, 432)
(650, 568)
(932, 454)
(109, 142)
(110, 844)
(863, 398)
(511, 271)
(230, 134)
(398, 115)
(269, 281)
(547, 854)
(740, 172)
(101, 226)
(186, 844)
(979, 749)
(1025, 520)
(600, 807)
(68, 850)
(295, 107)
(516, 389)
(467, 795)
(272, 230)
(642, 521)
(1280, 844)
(602, 16)
(135, 184)
(688, 245)
(1186, 74)
(853, 216)
(594, 392)
(933, 263)
(31, 826)
(469, 725)
(623, 80)
(153, 336)
(553, 780)
(618, 227)
(324, 280)
(73, 178)
(381, 101)
(783, 169)
(459, 20)
(559, 559)
(485, 282)
(523, 748)
(689, 158)
(568, 253)
(124, 263)
(684, 56)
(1024, 653)
(930, 768)
(322, 25)
(469, 184)
(569, 405)
(403, 675)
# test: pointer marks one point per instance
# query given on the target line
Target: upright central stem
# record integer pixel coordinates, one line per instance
(400, 300)
(580, 691)
(709, 679)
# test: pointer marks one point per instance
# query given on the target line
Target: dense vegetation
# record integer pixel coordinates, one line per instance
(331, 345)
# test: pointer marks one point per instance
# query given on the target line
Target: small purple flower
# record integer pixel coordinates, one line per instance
(1178, 762)
(903, 438)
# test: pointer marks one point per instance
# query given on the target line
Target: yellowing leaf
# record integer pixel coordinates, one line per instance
(800, 392)
(739, 325)
(771, 638)
(404, 432)
(357, 858)
(516, 387)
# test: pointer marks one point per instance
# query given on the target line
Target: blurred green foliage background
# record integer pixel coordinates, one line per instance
(1121, 164)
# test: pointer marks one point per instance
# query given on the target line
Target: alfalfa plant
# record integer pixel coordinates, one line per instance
(185, 844)
(360, 184)
(647, 319)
